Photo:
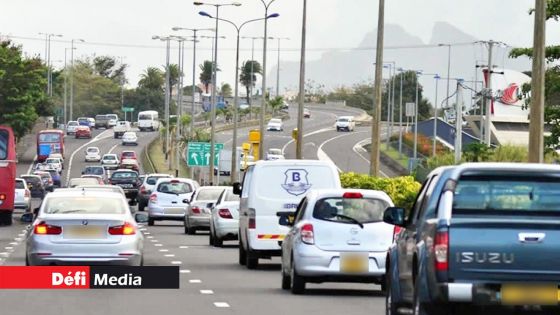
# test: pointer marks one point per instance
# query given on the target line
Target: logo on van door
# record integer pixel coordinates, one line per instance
(296, 182)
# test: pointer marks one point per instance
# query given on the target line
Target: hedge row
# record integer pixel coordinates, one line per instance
(402, 190)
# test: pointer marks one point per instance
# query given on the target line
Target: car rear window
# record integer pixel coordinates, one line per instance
(232, 197)
(94, 171)
(152, 180)
(507, 194)
(84, 205)
(93, 150)
(123, 175)
(20, 184)
(209, 193)
(109, 157)
(83, 181)
(175, 188)
(344, 210)
(32, 180)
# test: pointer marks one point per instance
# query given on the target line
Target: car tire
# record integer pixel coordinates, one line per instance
(298, 282)
(27, 263)
(151, 221)
(216, 241)
(419, 308)
(6, 218)
(391, 308)
(186, 229)
(251, 262)
(286, 280)
(242, 254)
(141, 206)
(192, 231)
(210, 238)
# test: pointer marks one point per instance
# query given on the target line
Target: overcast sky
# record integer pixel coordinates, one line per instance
(125, 27)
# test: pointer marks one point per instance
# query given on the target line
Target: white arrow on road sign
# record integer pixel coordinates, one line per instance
(194, 156)
(207, 158)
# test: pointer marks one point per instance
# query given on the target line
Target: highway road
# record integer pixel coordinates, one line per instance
(211, 280)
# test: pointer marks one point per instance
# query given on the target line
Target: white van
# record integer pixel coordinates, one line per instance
(148, 120)
(345, 123)
(269, 189)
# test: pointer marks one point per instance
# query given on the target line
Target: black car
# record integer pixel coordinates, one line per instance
(129, 181)
(35, 185)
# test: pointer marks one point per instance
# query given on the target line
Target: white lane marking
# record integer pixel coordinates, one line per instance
(176, 262)
(21, 235)
(158, 244)
(31, 165)
(112, 148)
(14, 243)
(206, 292)
(97, 138)
(169, 255)
(154, 241)
(18, 239)
(146, 233)
(359, 147)
(4, 254)
(183, 247)
(323, 156)
(221, 304)
(149, 237)
(195, 281)
(164, 250)
(184, 271)
(8, 248)
(306, 135)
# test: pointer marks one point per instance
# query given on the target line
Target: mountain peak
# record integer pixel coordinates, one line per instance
(444, 32)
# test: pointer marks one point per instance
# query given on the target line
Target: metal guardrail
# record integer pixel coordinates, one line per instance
(147, 157)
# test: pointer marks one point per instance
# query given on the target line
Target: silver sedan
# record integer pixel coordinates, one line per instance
(84, 226)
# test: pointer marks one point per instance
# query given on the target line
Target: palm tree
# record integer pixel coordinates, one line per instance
(248, 77)
(152, 79)
(275, 104)
(206, 74)
(173, 77)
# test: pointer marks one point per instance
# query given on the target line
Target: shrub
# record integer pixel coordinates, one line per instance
(424, 144)
(402, 190)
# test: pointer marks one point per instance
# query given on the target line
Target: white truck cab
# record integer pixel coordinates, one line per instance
(268, 189)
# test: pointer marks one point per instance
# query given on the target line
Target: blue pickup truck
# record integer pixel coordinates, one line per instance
(481, 238)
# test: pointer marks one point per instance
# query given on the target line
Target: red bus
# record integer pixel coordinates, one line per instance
(8, 162)
(49, 141)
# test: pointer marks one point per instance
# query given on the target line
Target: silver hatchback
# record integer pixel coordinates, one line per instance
(76, 226)
(337, 235)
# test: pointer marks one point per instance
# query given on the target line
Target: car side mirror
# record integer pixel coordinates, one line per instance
(141, 218)
(27, 217)
(186, 201)
(394, 216)
(286, 218)
(210, 205)
(237, 188)
(83, 172)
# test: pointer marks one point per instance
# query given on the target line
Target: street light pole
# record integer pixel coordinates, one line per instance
(415, 149)
(400, 114)
(263, 104)
(278, 69)
(72, 76)
(448, 70)
(299, 143)
(252, 74)
(434, 141)
(378, 94)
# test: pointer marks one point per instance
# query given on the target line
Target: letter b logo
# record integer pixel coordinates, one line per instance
(296, 177)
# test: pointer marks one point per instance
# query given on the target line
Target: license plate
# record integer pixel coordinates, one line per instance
(518, 294)
(354, 262)
(126, 185)
(84, 232)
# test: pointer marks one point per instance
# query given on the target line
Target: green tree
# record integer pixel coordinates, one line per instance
(275, 104)
(93, 93)
(552, 81)
(152, 79)
(109, 67)
(226, 90)
(174, 74)
(22, 89)
(248, 77)
(206, 74)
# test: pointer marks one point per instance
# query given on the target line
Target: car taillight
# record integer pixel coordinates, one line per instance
(143, 190)
(153, 198)
(441, 250)
(396, 231)
(195, 210)
(125, 229)
(307, 234)
(46, 229)
(224, 213)
(27, 193)
(252, 220)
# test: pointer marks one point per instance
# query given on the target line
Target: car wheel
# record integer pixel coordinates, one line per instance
(286, 280)
(298, 283)
(217, 242)
(186, 229)
(251, 262)
(390, 307)
(192, 231)
(6, 218)
(151, 221)
(210, 239)
(141, 206)
(27, 261)
(242, 253)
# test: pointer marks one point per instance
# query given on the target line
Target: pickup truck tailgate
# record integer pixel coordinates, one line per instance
(504, 248)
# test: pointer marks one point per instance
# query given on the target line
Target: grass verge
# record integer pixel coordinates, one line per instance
(394, 154)
(155, 151)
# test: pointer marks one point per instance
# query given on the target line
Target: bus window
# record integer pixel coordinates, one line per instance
(4, 135)
(49, 137)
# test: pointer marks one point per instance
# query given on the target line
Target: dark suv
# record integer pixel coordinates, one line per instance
(101, 121)
(480, 238)
(129, 181)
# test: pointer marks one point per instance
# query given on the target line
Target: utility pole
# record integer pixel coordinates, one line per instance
(389, 101)
(434, 143)
(299, 142)
(458, 122)
(536, 123)
(167, 101)
(278, 69)
(489, 98)
(375, 126)
(400, 114)
(416, 103)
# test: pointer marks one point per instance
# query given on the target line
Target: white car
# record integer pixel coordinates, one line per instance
(275, 124)
(336, 235)
(129, 138)
(148, 183)
(92, 154)
(224, 220)
(110, 161)
(345, 123)
(71, 127)
(170, 199)
(113, 118)
(274, 154)
(57, 156)
(91, 122)
(54, 163)
(22, 196)
(198, 212)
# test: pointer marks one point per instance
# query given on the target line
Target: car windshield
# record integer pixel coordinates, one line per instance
(144, 117)
(209, 193)
(275, 151)
(128, 154)
(32, 180)
(72, 123)
(20, 184)
(80, 205)
(152, 180)
(94, 171)
(343, 119)
(124, 175)
(507, 194)
(345, 210)
(50, 161)
(232, 197)
(174, 188)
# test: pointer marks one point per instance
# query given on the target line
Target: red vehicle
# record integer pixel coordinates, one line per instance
(8, 162)
(49, 141)
(83, 132)
(128, 155)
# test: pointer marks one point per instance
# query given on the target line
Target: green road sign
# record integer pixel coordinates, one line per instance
(198, 153)
(128, 109)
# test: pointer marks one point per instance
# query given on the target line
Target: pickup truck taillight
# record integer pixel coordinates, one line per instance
(27, 193)
(441, 250)
(306, 233)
